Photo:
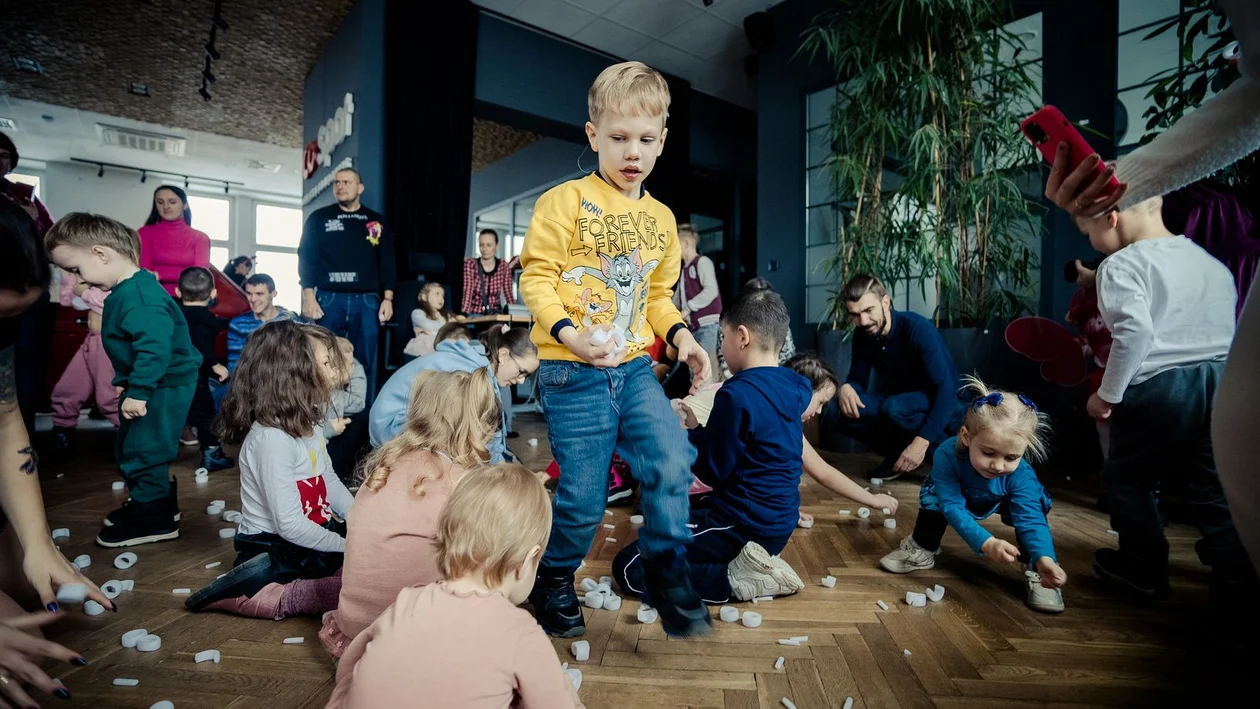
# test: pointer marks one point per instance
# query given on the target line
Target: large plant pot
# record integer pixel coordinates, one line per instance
(836, 349)
(981, 352)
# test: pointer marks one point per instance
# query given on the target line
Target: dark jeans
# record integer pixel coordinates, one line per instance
(288, 560)
(354, 317)
(715, 544)
(888, 423)
(1161, 438)
(201, 414)
(345, 451)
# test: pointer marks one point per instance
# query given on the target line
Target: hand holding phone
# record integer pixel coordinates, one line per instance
(1080, 182)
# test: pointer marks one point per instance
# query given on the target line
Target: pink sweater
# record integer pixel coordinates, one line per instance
(389, 544)
(435, 648)
(169, 248)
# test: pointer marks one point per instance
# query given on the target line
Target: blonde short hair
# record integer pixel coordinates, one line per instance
(687, 231)
(455, 413)
(629, 88)
(87, 230)
(1006, 413)
(494, 517)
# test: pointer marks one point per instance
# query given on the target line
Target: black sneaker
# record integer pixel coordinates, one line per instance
(1133, 573)
(884, 470)
(172, 501)
(244, 580)
(669, 591)
(556, 605)
(212, 459)
(62, 438)
(139, 523)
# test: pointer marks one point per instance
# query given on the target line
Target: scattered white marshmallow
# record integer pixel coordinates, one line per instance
(787, 703)
(220, 576)
(636, 519)
(213, 509)
(829, 581)
(532, 442)
(604, 587)
(789, 641)
(581, 650)
(610, 526)
(164, 704)
(575, 675)
(730, 614)
(612, 603)
(877, 482)
(907, 652)
(149, 643)
(885, 510)
(118, 485)
(918, 600)
(82, 561)
(805, 523)
(130, 637)
(1112, 531)
(219, 503)
(606, 579)
(935, 594)
(128, 584)
(71, 593)
(294, 641)
(863, 512)
(125, 560)
(207, 656)
(60, 532)
(588, 584)
(647, 614)
(751, 619)
(848, 703)
(608, 512)
(844, 512)
(91, 607)
(610, 540)
(232, 516)
(800, 638)
(778, 664)
(594, 600)
(181, 591)
(213, 564)
(201, 472)
(125, 682)
(882, 606)
(890, 523)
(760, 599)
(227, 532)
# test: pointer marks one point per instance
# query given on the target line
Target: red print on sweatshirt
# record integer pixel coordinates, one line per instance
(314, 494)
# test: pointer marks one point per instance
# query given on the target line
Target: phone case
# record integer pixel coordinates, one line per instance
(1049, 127)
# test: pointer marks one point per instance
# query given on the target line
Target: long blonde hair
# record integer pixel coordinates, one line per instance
(1008, 413)
(494, 517)
(452, 413)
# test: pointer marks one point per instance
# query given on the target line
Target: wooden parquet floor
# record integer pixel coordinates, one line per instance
(980, 647)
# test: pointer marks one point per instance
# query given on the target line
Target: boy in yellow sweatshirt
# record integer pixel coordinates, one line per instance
(603, 237)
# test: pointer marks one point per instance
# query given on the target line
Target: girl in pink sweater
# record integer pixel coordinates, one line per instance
(168, 243)
(463, 642)
(451, 416)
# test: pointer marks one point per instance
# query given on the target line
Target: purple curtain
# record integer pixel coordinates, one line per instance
(1222, 225)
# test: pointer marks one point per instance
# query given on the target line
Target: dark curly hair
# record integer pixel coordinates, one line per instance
(278, 382)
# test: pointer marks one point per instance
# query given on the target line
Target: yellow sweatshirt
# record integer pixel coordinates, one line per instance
(595, 257)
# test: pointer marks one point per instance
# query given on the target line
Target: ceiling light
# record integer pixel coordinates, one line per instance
(205, 73)
(100, 170)
(30, 66)
(144, 176)
(139, 88)
(708, 2)
(204, 93)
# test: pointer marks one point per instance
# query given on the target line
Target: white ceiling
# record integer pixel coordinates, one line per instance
(704, 45)
(56, 134)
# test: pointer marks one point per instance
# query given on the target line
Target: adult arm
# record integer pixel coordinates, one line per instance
(308, 256)
(942, 379)
(953, 505)
(539, 680)
(859, 368)
(1126, 311)
(1234, 440)
(708, 285)
(1027, 514)
(151, 330)
(470, 276)
(388, 261)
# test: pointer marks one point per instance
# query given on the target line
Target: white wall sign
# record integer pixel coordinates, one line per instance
(335, 131)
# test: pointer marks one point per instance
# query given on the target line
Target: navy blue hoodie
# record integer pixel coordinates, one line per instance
(751, 450)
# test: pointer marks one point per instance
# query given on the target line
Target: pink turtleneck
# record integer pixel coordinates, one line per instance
(170, 247)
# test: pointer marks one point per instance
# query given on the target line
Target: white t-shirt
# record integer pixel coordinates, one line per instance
(1168, 303)
(288, 488)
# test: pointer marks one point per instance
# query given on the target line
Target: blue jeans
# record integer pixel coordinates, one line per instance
(354, 317)
(590, 414)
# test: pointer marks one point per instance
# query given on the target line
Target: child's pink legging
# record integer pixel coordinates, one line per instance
(90, 371)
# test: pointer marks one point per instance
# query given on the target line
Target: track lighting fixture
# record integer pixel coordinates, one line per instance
(144, 176)
(204, 93)
(100, 170)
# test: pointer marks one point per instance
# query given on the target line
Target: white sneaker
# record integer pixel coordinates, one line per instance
(755, 573)
(909, 557)
(1040, 598)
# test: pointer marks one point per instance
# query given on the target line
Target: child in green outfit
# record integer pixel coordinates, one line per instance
(155, 370)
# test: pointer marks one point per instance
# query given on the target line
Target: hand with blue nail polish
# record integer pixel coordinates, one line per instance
(21, 654)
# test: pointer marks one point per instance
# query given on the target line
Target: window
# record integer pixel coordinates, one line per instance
(219, 256)
(278, 226)
(212, 216)
(279, 229)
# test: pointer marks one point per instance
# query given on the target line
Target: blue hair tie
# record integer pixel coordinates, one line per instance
(995, 399)
(1028, 402)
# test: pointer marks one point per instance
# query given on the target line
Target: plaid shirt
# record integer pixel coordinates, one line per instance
(497, 287)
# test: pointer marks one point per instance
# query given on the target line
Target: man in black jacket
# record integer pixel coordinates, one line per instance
(346, 267)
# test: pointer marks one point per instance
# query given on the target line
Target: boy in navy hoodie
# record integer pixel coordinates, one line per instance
(750, 453)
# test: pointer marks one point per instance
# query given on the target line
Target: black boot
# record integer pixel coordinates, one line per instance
(669, 591)
(556, 605)
(1147, 579)
(212, 459)
(139, 523)
(172, 504)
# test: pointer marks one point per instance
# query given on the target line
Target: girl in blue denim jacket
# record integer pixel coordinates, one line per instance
(982, 471)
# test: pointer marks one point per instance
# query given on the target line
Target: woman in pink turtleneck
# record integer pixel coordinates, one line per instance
(168, 243)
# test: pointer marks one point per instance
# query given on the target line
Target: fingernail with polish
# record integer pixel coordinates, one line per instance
(61, 693)
(79, 661)
(54, 607)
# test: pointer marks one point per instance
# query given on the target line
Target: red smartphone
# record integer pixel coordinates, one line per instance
(22, 192)
(1049, 127)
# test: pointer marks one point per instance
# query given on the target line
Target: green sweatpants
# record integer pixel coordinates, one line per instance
(146, 446)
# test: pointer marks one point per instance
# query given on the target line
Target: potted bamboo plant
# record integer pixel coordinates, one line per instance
(927, 160)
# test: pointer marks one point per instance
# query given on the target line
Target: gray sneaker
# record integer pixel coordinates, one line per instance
(755, 573)
(909, 557)
(1040, 598)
